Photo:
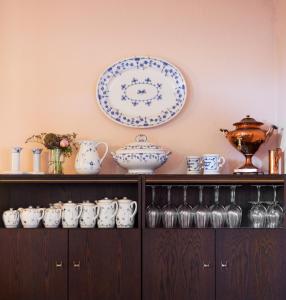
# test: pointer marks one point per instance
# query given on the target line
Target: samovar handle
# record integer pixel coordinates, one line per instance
(270, 131)
(224, 131)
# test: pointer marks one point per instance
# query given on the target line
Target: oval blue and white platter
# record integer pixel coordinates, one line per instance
(141, 92)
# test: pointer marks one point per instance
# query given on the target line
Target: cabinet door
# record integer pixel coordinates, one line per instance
(251, 264)
(33, 264)
(105, 264)
(178, 264)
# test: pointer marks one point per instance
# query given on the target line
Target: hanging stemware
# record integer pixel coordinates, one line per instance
(185, 212)
(153, 212)
(275, 212)
(258, 213)
(233, 211)
(201, 212)
(170, 212)
(218, 214)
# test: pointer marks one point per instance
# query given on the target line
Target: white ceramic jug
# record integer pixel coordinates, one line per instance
(107, 212)
(11, 218)
(52, 217)
(31, 217)
(90, 213)
(71, 212)
(87, 159)
(127, 210)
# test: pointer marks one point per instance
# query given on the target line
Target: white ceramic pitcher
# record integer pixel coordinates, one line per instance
(31, 217)
(107, 211)
(11, 218)
(87, 159)
(127, 210)
(71, 212)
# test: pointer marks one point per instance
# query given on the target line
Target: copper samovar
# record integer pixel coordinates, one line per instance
(247, 138)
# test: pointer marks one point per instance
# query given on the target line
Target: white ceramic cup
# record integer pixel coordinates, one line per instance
(127, 210)
(194, 164)
(52, 217)
(211, 163)
(90, 213)
(11, 218)
(107, 212)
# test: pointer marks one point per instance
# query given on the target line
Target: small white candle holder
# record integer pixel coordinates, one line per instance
(37, 161)
(16, 160)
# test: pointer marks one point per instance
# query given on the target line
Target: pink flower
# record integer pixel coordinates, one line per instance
(64, 143)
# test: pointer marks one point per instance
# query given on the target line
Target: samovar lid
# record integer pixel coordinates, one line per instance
(248, 121)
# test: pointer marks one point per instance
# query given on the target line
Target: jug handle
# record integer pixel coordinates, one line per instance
(116, 209)
(80, 211)
(43, 213)
(133, 203)
(105, 153)
(97, 211)
(18, 216)
(60, 210)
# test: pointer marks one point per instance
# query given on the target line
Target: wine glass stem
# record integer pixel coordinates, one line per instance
(201, 194)
(232, 197)
(169, 195)
(153, 195)
(258, 194)
(274, 194)
(216, 194)
(185, 195)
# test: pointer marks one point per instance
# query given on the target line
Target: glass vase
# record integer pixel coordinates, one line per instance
(56, 160)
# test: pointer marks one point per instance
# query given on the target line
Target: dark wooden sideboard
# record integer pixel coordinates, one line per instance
(140, 263)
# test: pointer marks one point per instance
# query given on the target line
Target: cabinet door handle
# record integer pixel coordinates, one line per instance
(59, 265)
(206, 265)
(76, 264)
(224, 265)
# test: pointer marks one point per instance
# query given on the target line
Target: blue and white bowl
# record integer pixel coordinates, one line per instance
(141, 157)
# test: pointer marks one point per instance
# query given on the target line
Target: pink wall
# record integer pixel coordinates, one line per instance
(280, 8)
(53, 52)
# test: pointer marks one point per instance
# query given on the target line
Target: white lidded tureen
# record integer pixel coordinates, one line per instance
(141, 157)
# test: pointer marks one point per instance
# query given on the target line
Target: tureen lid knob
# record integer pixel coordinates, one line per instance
(141, 138)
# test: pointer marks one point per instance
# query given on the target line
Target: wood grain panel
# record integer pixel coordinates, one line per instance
(256, 264)
(110, 264)
(28, 264)
(173, 264)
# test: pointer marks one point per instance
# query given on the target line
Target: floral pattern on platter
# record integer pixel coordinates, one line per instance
(11, 218)
(145, 92)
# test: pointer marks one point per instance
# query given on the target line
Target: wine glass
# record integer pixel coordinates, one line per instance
(233, 211)
(170, 212)
(218, 214)
(275, 212)
(258, 213)
(201, 211)
(153, 212)
(185, 212)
